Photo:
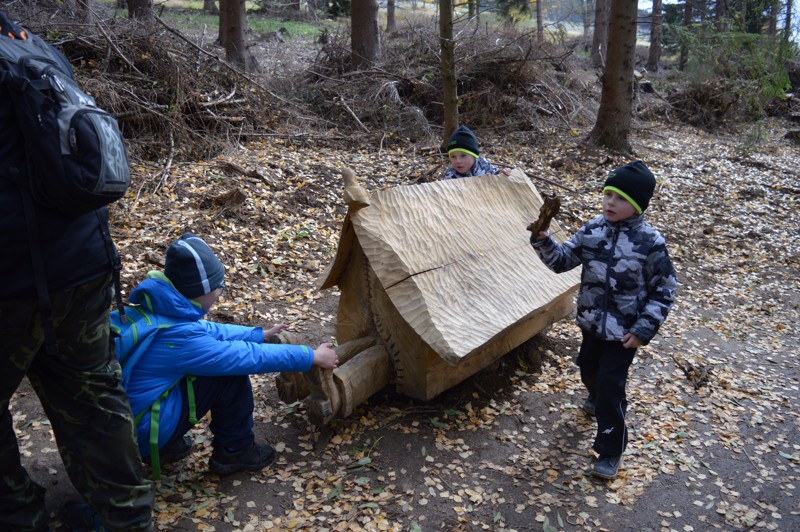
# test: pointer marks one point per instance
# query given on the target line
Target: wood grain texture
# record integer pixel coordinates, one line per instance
(455, 260)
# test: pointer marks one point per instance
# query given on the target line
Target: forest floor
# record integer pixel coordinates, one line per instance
(507, 449)
(713, 400)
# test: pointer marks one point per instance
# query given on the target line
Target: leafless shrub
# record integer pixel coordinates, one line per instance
(707, 105)
(507, 80)
(169, 96)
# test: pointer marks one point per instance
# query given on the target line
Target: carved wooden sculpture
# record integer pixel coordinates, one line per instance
(437, 282)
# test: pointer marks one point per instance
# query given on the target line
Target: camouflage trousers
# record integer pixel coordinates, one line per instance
(80, 391)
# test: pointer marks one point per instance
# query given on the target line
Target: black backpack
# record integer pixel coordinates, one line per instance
(76, 158)
(75, 155)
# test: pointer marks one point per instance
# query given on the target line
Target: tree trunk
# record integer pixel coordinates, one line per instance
(121, 4)
(539, 22)
(744, 15)
(787, 29)
(210, 7)
(614, 116)
(390, 24)
(586, 16)
(687, 23)
(365, 34)
(720, 14)
(448, 69)
(600, 37)
(235, 16)
(774, 9)
(223, 22)
(140, 9)
(654, 52)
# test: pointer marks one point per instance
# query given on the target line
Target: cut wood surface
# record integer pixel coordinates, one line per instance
(455, 259)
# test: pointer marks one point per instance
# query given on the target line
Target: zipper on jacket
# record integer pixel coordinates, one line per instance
(609, 261)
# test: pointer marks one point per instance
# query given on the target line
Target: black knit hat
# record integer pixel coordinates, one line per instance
(634, 182)
(463, 140)
(192, 267)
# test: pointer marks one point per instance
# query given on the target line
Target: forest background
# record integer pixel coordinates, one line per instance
(246, 149)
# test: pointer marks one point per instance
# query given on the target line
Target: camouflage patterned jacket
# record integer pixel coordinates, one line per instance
(627, 283)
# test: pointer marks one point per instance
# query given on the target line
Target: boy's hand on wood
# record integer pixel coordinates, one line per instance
(549, 209)
(325, 356)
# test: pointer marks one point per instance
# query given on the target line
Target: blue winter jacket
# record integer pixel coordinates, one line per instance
(628, 282)
(186, 345)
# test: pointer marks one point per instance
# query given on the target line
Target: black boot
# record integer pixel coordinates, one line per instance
(252, 458)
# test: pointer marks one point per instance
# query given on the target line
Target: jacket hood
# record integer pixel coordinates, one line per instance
(158, 295)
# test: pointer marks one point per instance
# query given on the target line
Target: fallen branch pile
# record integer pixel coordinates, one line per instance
(172, 95)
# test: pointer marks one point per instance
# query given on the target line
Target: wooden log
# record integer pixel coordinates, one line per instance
(294, 385)
(348, 350)
(291, 386)
(323, 400)
(364, 375)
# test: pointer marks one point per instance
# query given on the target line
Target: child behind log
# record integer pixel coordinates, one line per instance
(465, 158)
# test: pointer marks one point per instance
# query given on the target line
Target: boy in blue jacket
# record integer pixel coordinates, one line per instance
(627, 288)
(177, 367)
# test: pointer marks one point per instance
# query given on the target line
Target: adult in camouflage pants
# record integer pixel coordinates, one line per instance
(55, 295)
(87, 407)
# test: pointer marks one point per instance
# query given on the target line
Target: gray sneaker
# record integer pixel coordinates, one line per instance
(607, 467)
(588, 406)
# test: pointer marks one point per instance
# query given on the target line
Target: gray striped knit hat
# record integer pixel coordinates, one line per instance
(192, 267)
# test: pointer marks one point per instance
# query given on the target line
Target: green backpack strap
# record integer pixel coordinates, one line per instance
(136, 334)
(190, 396)
(155, 412)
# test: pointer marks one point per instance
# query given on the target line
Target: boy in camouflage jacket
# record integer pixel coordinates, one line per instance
(627, 288)
(465, 158)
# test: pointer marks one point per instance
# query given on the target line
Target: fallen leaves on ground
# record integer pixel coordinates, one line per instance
(732, 227)
(510, 450)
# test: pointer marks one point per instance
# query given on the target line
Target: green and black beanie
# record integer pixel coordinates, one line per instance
(634, 182)
(463, 140)
(192, 267)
